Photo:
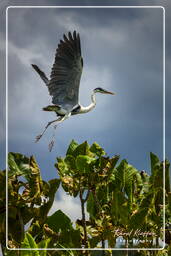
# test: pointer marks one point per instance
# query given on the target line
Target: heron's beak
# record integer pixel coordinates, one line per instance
(112, 93)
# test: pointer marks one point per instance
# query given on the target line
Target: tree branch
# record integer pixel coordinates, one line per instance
(85, 242)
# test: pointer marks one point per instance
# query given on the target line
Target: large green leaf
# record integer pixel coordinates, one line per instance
(137, 220)
(75, 238)
(125, 178)
(43, 244)
(54, 185)
(156, 179)
(147, 200)
(59, 220)
(82, 149)
(155, 162)
(119, 208)
(66, 166)
(139, 217)
(73, 145)
(120, 174)
(62, 166)
(138, 179)
(29, 243)
(70, 161)
(18, 164)
(130, 180)
(124, 175)
(69, 239)
(102, 193)
(97, 149)
(83, 163)
(103, 161)
(91, 206)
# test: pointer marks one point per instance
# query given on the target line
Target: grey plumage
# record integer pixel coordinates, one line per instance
(64, 81)
(66, 72)
(41, 74)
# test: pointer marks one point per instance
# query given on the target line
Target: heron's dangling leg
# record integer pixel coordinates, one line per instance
(63, 118)
(38, 137)
(59, 120)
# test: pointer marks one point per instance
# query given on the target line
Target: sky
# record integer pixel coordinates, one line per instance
(122, 50)
(119, 55)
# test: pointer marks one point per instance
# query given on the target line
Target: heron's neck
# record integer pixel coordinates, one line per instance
(91, 106)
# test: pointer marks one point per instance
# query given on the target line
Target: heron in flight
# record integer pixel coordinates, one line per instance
(64, 81)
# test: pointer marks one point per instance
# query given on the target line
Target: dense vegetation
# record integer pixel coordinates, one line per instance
(120, 202)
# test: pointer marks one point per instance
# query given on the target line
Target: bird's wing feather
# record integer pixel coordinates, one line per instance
(66, 72)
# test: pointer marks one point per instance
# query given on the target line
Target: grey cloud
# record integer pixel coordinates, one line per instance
(122, 52)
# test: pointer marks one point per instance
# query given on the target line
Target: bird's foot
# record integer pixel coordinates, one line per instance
(38, 137)
(51, 144)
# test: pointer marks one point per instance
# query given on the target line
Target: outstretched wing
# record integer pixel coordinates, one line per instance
(66, 72)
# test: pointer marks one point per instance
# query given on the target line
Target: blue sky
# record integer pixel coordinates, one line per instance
(122, 52)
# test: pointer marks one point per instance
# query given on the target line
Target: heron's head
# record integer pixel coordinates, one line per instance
(101, 90)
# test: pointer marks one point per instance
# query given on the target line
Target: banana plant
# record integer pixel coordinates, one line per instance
(116, 200)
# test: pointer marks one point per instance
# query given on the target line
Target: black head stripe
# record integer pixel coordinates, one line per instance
(98, 88)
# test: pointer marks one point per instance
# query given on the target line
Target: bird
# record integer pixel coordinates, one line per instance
(64, 81)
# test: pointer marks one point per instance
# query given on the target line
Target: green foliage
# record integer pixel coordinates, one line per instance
(83, 164)
(29, 242)
(73, 145)
(118, 198)
(18, 164)
(96, 149)
(91, 206)
(29, 197)
(59, 221)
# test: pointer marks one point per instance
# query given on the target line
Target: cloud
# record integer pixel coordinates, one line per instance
(122, 52)
(69, 205)
(25, 56)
